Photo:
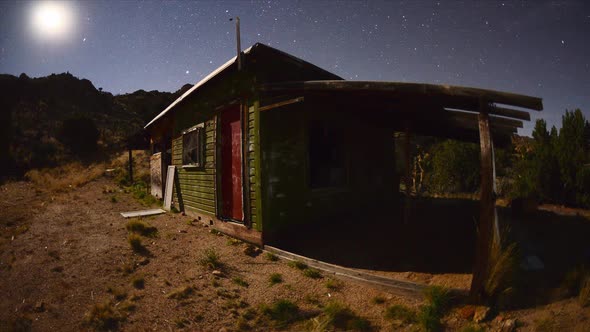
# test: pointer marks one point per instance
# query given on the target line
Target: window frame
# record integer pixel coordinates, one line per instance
(201, 138)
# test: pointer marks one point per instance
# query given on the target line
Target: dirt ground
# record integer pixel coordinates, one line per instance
(63, 253)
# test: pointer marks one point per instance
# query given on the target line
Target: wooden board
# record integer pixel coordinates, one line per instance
(156, 175)
(142, 213)
(169, 187)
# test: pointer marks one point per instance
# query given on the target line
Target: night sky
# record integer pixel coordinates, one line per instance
(536, 48)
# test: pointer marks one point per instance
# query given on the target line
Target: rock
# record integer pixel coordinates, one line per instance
(467, 312)
(217, 273)
(182, 231)
(481, 314)
(39, 306)
(252, 250)
(508, 325)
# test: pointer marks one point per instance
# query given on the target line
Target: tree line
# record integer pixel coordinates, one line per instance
(552, 167)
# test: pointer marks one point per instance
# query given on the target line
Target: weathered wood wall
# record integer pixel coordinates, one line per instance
(197, 185)
(289, 199)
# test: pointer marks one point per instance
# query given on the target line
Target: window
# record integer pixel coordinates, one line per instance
(327, 157)
(193, 146)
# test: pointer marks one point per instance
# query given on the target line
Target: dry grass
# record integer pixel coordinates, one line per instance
(65, 177)
(584, 296)
(135, 243)
(141, 228)
(104, 317)
(401, 313)
(503, 269)
(336, 316)
(181, 293)
(210, 259)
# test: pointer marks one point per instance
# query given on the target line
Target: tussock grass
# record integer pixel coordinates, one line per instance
(135, 243)
(281, 312)
(401, 313)
(181, 293)
(240, 282)
(312, 273)
(104, 317)
(233, 242)
(584, 296)
(210, 259)
(336, 316)
(378, 300)
(271, 257)
(139, 227)
(275, 278)
(503, 270)
(472, 328)
(118, 293)
(334, 285)
(438, 300)
(297, 265)
(138, 282)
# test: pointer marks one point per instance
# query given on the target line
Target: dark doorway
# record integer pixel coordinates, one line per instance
(231, 165)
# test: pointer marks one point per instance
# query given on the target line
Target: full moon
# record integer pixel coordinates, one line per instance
(52, 20)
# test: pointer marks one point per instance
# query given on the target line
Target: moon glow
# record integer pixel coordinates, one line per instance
(52, 20)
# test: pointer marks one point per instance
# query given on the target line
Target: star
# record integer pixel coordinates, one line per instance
(84, 39)
(187, 72)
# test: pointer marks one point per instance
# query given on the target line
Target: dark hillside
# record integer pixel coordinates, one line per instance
(33, 112)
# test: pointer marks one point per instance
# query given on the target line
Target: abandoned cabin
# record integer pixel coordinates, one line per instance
(273, 142)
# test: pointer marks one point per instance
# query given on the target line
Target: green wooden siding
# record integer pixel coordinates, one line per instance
(197, 185)
(252, 166)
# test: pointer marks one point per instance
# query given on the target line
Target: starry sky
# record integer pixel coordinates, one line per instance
(539, 48)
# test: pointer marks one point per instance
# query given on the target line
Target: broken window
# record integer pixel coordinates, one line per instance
(193, 146)
(327, 156)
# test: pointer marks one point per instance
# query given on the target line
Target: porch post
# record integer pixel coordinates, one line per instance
(487, 206)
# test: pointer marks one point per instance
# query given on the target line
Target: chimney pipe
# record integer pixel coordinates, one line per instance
(239, 47)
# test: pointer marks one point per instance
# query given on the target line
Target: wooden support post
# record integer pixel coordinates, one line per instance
(407, 177)
(487, 206)
(130, 166)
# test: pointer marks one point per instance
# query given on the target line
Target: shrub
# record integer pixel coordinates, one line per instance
(210, 259)
(503, 270)
(118, 294)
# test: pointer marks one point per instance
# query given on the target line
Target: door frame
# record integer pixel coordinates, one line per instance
(243, 160)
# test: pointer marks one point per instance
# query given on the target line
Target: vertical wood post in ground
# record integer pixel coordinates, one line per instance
(487, 206)
(130, 166)
(407, 176)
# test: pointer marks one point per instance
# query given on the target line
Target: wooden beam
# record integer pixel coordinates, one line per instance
(411, 90)
(510, 113)
(281, 103)
(487, 204)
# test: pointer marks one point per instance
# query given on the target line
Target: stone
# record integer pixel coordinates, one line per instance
(509, 325)
(481, 314)
(39, 306)
(217, 273)
(467, 312)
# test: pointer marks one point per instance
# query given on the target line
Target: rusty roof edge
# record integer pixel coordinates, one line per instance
(196, 86)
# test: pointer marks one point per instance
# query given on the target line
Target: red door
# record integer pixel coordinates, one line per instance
(231, 164)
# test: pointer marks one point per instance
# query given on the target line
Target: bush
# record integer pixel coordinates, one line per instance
(297, 265)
